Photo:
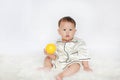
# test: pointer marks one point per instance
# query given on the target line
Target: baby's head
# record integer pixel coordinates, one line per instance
(67, 19)
(67, 28)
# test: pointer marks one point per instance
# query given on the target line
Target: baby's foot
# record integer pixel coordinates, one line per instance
(87, 69)
(58, 78)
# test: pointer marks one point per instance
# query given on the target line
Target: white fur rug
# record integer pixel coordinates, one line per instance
(24, 67)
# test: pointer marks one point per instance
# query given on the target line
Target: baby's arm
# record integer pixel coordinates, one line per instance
(52, 56)
(86, 66)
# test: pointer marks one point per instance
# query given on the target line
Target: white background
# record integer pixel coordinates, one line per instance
(26, 26)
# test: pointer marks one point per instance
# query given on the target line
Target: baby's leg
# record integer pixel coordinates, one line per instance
(48, 62)
(72, 69)
(86, 66)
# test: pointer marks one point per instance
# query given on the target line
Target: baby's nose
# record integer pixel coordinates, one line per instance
(67, 32)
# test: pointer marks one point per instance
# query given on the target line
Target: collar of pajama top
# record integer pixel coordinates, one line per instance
(75, 39)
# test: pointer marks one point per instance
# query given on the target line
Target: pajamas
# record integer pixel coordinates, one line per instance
(70, 52)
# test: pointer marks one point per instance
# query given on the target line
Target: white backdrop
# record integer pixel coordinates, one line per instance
(26, 26)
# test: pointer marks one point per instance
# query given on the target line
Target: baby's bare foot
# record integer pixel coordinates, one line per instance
(58, 78)
(87, 69)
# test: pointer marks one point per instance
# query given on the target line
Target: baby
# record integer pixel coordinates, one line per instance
(71, 51)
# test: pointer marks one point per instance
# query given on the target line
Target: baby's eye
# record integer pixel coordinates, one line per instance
(70, 29)
(64, 29)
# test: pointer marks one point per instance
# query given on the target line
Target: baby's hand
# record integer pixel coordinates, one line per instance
(52, 56)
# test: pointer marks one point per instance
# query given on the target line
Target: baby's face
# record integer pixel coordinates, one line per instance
(67, 31)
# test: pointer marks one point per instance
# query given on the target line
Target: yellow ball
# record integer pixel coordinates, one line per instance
(50, 48)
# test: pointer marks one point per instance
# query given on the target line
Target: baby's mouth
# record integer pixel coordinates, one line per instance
(67, 36)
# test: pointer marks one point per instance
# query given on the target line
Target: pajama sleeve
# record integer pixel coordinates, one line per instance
(82, 51)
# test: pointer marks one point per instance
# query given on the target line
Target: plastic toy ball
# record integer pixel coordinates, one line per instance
(50, 48)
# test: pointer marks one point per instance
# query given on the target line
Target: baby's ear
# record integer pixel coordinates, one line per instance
(59, 31)
(75, 30)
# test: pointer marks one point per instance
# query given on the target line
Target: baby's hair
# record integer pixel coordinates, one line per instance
(67, 19)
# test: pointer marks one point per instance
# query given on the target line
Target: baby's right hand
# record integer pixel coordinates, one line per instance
(52, 56)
